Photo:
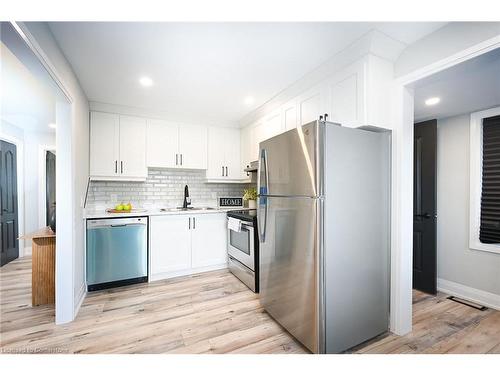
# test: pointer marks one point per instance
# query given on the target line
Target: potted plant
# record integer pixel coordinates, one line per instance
(250, 195)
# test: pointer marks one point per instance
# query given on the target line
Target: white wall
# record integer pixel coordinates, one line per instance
(456, 262)
(80, 157)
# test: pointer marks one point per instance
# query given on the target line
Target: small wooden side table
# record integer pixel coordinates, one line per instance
(43, 269)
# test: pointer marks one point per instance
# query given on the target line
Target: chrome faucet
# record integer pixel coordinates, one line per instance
(187, 200)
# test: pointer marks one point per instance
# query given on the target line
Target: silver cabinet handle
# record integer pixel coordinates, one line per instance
(121, 166)
(176, 159)
(194, 223)
(223, 171)
(226, 171)
(181, 159)
(189, 225)
(116, 166)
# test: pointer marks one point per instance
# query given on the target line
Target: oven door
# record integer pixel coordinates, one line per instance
(240, 245)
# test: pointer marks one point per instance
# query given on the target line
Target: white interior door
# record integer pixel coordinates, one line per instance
(162, 144)
(104, 144)
(193, 147)
(170, 244)
(209, 243)
(133, 147)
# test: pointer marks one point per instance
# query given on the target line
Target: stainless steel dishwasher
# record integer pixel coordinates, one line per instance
(117, 252)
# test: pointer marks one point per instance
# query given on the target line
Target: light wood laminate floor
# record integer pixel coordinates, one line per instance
(209, 313)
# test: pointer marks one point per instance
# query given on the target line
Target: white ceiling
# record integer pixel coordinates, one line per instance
(203, 71)
(470, 86)
(25, 100)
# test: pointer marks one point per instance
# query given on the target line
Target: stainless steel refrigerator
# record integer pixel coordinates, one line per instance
(324, 232)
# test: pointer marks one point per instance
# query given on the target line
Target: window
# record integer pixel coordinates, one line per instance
(485, 180)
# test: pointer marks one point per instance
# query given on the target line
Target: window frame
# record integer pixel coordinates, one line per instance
(476, 172)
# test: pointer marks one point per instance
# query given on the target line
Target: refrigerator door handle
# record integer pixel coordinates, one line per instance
(263, 191)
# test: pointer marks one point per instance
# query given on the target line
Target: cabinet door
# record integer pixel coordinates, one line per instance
(192, 147)
(162, 144)
(104, 144)
(290, 116)
(273, 125)
(258, 135)
(344, 101)
(170, 244)
(209, 240)
(232, 154)
(310, 106)
(245, 146)
(133, 147)
(216, 153)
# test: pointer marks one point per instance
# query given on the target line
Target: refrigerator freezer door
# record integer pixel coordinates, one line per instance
(287, 165)
(288, 265)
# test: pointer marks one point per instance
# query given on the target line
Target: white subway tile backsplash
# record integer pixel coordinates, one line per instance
(162, 188)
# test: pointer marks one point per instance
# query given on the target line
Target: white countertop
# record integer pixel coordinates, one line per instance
(101, 213)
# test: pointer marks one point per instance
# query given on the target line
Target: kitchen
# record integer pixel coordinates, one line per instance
(230, 220)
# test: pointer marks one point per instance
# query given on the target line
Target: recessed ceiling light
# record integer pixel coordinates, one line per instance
(52, 125)
(249, 100)
(146, 81)
(432, 101)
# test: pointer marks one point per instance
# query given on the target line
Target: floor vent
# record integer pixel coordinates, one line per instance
(468, 303)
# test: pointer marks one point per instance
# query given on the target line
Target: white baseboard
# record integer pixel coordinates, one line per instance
(79, 299)
(191, 271)
(27, 251)
(474, 295)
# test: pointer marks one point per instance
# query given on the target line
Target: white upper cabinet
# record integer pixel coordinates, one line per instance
(162, 144)
(289, 112)
(104, 144)
(345, 99)
(224, 154)
(176, 146)
(310, 105)
(117, 147)
(193, 147)
(133, 147)
(246, 150)
(272, 125)
(232, 154)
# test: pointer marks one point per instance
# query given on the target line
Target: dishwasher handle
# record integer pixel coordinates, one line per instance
(118, 222)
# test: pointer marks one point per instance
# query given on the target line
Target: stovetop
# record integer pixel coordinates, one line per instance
(246, 215)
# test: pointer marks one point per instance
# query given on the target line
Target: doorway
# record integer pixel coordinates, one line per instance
(9, 216)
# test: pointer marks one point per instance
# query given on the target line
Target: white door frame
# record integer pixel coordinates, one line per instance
(64, 274)
(20, 186)
(402, 198)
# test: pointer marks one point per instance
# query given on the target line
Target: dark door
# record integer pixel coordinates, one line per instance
(8, 203)
(50, 187)
(424, 207)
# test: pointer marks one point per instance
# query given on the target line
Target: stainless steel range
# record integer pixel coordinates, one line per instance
(243, 247)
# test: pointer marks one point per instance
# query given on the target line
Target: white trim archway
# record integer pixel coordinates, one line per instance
(402, 198)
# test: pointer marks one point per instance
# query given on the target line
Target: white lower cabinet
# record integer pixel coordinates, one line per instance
(170, 244)
(187, 244)
(208, 240)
